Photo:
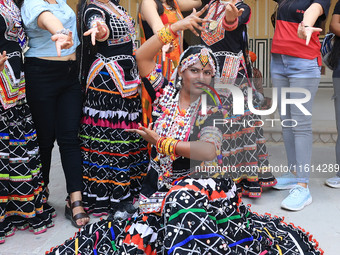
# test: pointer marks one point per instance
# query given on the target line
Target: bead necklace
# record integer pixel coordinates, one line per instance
(174, 123)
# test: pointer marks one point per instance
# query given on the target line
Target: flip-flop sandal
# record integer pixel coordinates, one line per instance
(73, 218)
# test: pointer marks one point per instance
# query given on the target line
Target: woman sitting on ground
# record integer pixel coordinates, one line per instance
(187, 215)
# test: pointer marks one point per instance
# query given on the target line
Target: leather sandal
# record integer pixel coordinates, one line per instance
(73, 218)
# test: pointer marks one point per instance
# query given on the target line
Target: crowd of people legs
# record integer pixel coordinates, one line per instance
(132, 128)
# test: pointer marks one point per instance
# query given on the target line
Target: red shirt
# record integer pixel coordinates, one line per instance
(285, 40)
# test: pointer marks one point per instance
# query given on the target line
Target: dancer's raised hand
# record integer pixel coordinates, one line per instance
(231, 11)
(191, 22)
(99, 33)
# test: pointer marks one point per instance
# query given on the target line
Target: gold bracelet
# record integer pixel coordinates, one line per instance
(166, 146)
(159, 147)
(172, 146)
(165, 35)
(175, 146)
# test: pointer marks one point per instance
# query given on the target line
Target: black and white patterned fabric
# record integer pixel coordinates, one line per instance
(23, 198)
(114, 161)
(199, 216)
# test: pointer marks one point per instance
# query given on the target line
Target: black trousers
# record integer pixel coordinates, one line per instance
(55, 98)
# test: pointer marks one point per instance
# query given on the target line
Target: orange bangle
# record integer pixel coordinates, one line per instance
(229, 27)
(159, 145)
(175, 146)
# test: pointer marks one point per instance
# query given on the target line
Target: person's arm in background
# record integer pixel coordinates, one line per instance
(188, 5)
(61, 37)
(312, 14)
(36, 14)
(334, 26)
(147, 51)
(148, 11)
(235, 16)
(314, 11)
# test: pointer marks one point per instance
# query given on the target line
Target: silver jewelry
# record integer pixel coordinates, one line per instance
(63, 31)
(179, 83)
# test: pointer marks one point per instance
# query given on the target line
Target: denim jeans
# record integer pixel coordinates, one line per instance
(55, 99)
(293, 72)
(336, 86)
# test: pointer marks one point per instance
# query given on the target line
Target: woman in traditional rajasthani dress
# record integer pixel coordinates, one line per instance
(114, 161)
(153, 15)
(22, 193)
(244, 149)
(194, 216)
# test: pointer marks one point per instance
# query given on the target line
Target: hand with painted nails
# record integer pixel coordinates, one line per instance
(305, 32)
(148, 133)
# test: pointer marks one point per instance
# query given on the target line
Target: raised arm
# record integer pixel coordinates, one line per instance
(47, 21)
(148, 11)
(334, 26)
(61, 36)
(189, 5)
(312, 14)
(306, 29)
(146, 53)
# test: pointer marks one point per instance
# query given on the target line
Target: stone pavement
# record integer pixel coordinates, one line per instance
(321, 218)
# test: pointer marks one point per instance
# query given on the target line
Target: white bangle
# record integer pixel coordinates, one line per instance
(63, 31)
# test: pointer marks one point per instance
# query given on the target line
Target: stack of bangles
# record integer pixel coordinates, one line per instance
(230, 27)
(166, 35)
(167, 146)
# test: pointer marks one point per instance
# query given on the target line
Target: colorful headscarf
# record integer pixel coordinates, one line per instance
(204, 56)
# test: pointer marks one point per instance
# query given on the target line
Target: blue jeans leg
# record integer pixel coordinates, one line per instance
(292, 72)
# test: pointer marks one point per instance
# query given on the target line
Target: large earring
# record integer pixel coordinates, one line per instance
(179, 83)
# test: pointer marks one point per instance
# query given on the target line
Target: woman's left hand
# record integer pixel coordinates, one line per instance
(305, 32)
(62, 41)
(231, 11)
(148, 134)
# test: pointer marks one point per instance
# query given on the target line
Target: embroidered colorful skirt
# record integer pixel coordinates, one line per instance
(203, 216)
(23, 202)
(244, 151)
(114, 161)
